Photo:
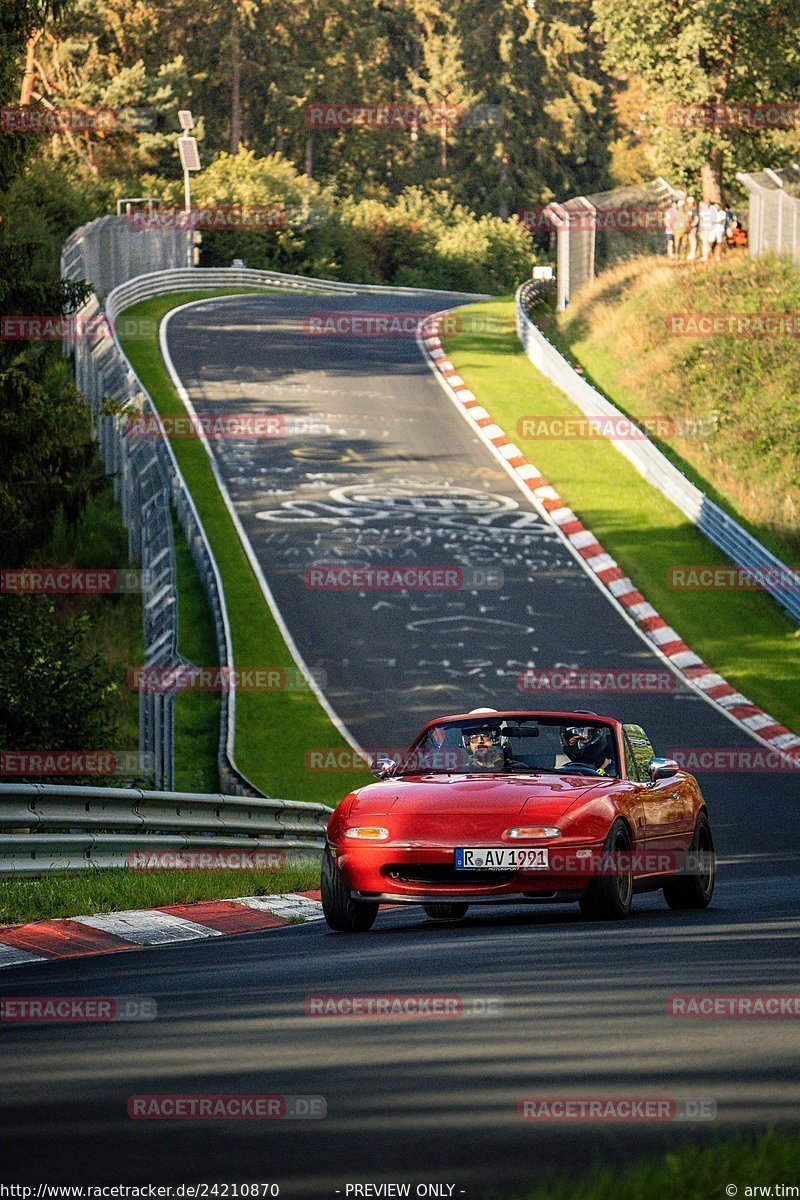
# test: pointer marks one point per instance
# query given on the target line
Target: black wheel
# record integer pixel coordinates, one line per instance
(695, 889)
(446, 912)
(342, 913)
(610, 895)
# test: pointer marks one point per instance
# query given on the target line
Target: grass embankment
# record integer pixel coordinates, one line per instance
(117, 890)
(99, 539)
(742, 634)
(732, 398)
(690, 1173)
(274, 729)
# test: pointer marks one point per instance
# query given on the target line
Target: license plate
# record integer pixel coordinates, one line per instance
(502, 858)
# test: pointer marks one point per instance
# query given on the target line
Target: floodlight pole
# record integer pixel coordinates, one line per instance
(187, 124)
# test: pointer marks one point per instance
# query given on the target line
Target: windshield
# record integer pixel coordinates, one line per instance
(512, 745)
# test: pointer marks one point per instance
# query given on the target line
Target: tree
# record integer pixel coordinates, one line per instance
(441, 87)
(19, 22)
(539, 66)
(53, 687)
(705, 53)
(99, 64)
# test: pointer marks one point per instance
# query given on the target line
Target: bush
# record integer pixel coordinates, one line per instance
(300, 204)
(425, 240)
(54, 688)
(419, 239)
(46, 203)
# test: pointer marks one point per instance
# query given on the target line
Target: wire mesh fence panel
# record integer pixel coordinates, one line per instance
(124, 266)
(598, 231)
(774, 218)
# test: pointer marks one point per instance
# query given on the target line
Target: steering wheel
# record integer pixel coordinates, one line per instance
(579, 768)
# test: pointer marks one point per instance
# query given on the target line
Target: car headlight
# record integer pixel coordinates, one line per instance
(532, 831)
(367, 833)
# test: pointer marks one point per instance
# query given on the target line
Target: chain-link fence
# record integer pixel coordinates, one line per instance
(774, 219)
(595, 232)
(112, 250)
(147, 482)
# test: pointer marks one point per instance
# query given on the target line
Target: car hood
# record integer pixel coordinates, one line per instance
(543, 797)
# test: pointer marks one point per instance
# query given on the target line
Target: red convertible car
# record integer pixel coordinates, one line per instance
(531, 807)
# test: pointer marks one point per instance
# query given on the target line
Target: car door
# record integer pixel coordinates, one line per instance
(665, 805)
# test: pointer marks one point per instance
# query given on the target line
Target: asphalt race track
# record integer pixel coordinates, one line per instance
(393, 475)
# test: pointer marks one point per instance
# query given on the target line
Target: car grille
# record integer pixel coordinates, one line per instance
(433, 873)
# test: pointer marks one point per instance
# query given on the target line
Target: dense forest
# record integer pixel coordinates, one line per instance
(500, 105)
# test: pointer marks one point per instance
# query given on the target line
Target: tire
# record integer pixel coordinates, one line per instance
(342, 913)
(609, 897)
(695, 890)
(445, 911)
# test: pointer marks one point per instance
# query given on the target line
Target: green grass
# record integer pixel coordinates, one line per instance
(86, 892)
(99, 539)
(746, 455)
(273, 729)
(197, 714)
(742, 634)
(688, 1172)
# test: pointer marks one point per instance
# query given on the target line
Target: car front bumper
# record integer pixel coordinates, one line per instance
(394, 873)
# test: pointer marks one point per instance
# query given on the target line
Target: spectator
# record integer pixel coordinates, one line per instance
(705, 221)
(731, 227)
(670, 217)
(693, 219)
(681, 227)
(718, 227)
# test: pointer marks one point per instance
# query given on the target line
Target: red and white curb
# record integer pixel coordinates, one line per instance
(665, 640)
(105, 933)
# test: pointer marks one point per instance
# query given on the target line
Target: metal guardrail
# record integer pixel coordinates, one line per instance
(69, 828)
(148, 482)
(164, 652)
(128, 265)
(726, 533)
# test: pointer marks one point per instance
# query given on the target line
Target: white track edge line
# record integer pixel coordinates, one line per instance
(183, 395)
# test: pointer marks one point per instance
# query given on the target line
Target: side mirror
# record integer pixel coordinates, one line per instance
(662, 768)
(384, 768)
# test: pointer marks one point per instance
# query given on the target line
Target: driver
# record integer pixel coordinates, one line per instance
(484, 751)
(487, 750)
(588, 745)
